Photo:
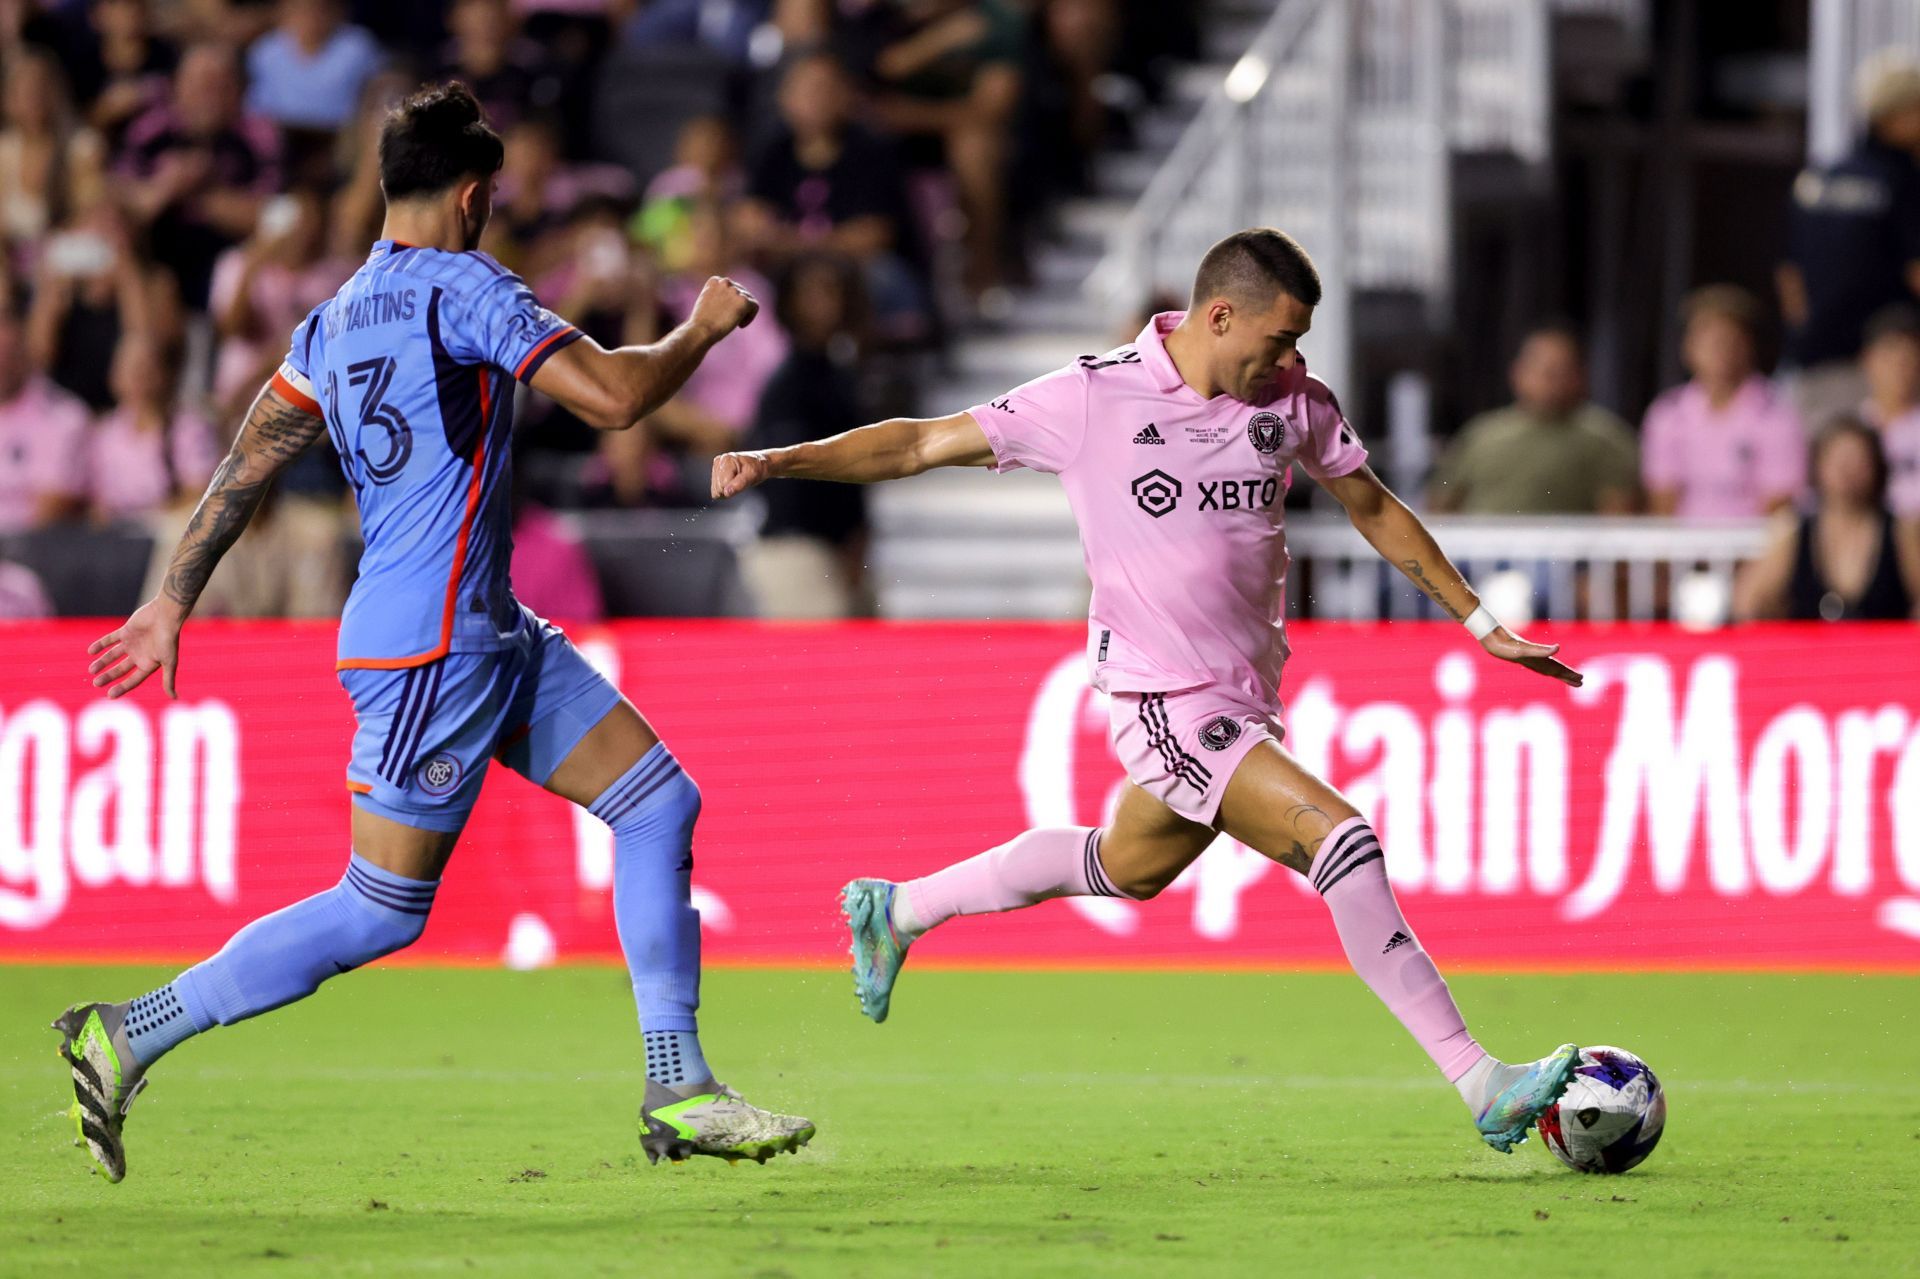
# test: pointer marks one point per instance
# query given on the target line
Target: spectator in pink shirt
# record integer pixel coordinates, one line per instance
(22, 597)
(552, 574)
(1722, 446)
(265, 287)
(1891, 362)
(145, 456)
(43, 436)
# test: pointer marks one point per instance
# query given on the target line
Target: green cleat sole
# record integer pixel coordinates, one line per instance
(679, 1151)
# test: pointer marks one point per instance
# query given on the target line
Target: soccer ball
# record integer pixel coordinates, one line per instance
(1610, 1117)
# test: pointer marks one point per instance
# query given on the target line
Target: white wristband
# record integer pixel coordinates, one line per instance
(1481, 623)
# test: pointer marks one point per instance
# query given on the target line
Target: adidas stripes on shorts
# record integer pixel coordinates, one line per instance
(1181, 748)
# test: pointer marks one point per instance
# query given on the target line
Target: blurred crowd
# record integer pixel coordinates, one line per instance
(1828, 444)
(180, 182)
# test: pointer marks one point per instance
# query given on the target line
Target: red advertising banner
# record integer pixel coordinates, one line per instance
(1746, 797)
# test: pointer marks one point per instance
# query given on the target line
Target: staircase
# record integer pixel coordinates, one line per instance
(969, 543)
(1339, 120)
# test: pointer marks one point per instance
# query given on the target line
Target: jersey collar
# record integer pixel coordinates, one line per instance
(1152, 345)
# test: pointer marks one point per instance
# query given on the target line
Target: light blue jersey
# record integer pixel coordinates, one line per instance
(410, 363)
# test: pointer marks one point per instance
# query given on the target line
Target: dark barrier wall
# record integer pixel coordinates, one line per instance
(1748, 797)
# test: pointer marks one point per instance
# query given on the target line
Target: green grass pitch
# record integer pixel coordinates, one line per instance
(418, 1121)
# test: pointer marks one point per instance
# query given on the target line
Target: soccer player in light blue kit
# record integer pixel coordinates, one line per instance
(410, 370)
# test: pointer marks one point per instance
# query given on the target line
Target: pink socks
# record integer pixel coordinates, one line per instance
(1062, 861)
(1350, 874)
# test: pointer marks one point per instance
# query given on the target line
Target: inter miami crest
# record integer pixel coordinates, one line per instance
(1220, 732)
(1268, 431)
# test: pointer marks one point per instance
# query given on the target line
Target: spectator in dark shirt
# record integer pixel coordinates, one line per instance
(823, 183)
(1854, 243)
(118, 66)
(811, 557)
(1849, 560)
(948, 77)
(91, 290)
(199, 169)
(508, 73)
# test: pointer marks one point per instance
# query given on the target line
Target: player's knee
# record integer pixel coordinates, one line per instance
(671, 803)
(380, 931)
(679, 800)
(1142, 886)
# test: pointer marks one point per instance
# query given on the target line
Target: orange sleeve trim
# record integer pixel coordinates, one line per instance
(294, 396)
(359, 788)
(445, 645)
(533, 360)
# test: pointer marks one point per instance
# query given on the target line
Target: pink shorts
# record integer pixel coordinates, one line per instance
(1181, 748)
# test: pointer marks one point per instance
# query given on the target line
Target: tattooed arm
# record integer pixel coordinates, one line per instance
(273, 435)
(1397, 533)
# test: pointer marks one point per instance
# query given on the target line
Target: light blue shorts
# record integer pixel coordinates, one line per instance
(427, 733)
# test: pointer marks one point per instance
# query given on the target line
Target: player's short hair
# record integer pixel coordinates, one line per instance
(1897, 320)
(1728, 302)
(1839, 428)
(436, 137)
(1249, 267)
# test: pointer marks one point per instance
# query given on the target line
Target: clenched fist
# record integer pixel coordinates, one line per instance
(724, 306)
(735, 473)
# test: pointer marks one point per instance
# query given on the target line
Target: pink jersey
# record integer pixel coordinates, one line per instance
(132, 472)
(1179, 504)
(1726, 463)
(1900, 439)
(43, 451)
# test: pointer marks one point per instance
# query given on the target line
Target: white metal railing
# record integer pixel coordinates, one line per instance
(1845, 34)
(1337, 124)
(1600, 568)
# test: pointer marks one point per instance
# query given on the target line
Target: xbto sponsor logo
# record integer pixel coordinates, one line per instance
(1239, 495)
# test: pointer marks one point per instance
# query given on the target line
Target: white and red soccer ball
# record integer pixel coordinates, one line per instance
(1611, 1115)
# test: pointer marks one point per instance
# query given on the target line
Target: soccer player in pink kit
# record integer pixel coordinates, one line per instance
(1175, 452)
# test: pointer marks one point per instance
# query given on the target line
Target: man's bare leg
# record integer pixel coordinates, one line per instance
(1278, 808)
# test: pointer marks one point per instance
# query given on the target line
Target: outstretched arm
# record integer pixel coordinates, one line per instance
(1404, 541)
(611, 390)
(275, 432)
(887, 450)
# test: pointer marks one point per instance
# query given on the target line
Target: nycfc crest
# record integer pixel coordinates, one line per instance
(440, 774)
(1221, 731)
(1268, 431)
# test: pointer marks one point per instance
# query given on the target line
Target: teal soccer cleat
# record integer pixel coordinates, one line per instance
(878, 951)
(1504, 1123)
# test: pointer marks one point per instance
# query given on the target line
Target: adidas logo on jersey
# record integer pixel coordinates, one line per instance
(1150, 436)
(1398, 939)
